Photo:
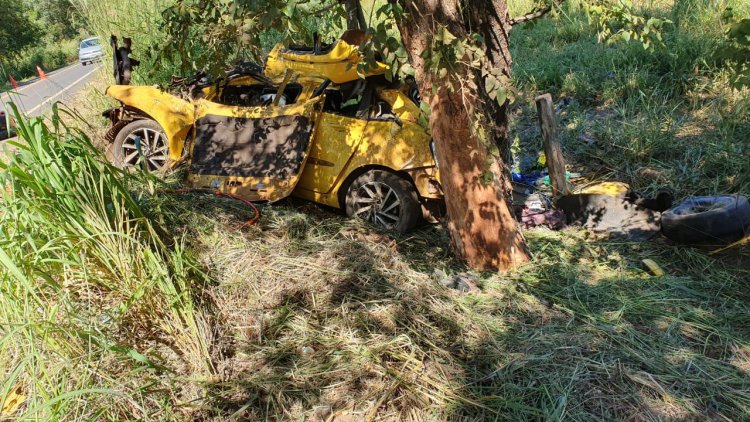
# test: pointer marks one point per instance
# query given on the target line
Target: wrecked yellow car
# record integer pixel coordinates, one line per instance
(319, 132)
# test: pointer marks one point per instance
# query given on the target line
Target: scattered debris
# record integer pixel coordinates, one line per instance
(653, 267)
(613, 208)
(606, 188)
(462, 282)
(322, 413)
(652, 175)
(554, 219)
(13, 400)
(588, 139)
(737, 244)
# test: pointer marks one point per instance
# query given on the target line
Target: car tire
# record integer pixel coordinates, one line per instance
(123, 152)
(384, 199)
(703, 219)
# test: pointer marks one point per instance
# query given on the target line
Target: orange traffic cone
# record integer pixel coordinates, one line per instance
(42, 75)
(13, 82)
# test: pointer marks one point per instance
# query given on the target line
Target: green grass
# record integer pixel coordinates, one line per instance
(88, 278)
(121, 301)
(650, 118)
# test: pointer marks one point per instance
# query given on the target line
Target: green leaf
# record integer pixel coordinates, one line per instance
(501, 95)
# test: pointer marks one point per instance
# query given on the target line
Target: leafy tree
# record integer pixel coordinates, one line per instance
(736, 49)
(59, 18)
(17, 30)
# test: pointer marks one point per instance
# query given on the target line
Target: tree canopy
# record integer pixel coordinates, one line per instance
(18, 30)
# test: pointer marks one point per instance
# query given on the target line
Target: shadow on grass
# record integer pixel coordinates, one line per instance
(623, 347)
(581, 333)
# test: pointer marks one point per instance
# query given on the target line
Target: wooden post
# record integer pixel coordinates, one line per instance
(552, 149)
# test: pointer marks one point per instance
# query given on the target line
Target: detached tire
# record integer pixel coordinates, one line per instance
(384, 199)
(154, 147)
(704, 219)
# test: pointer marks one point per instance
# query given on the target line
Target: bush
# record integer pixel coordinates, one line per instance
(48, 56)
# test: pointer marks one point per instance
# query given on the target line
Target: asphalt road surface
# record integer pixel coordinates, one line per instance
(36, 97)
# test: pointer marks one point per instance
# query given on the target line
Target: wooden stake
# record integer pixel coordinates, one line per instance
(552, 149)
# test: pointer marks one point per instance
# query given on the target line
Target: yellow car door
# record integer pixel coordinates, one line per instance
(335, 142)
(255, 152)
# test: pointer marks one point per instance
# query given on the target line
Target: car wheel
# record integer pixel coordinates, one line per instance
(704, 219)
(141, 144)
(384, 199)
(83, 63)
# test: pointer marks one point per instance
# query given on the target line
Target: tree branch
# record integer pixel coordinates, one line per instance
(535, 14)
(324, 10)
(355, 17)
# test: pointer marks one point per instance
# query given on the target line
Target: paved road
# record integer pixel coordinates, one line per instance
(37, 97)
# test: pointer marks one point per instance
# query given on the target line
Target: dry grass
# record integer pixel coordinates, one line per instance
(320, 316)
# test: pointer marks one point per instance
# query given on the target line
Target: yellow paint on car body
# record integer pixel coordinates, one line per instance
(176, 116)
(340, 64)
(607, 188)
(255, 188)
(341, 147)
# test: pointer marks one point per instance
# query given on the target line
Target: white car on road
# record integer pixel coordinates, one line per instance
(90, 51)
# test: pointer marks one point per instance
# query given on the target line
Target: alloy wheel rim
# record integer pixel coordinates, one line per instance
(378, 203)
(154, 149)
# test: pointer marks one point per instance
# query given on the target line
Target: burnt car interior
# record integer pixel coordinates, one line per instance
(358, 99)
(258, 95)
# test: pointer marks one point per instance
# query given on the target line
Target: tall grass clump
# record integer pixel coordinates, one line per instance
(97, 301)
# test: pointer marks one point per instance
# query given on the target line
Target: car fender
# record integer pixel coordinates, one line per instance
(406, 151)
(407, 147)
(176, 116)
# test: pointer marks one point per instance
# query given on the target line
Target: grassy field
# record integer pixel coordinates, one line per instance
(123, 301)
(650, 118)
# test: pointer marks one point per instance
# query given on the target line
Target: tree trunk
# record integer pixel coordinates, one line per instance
(355, 17)
(477, 189)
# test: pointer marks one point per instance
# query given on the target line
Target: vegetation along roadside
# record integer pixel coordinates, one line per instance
(123, 301)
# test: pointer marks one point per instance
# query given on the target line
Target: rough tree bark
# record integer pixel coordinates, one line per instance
(355, 17)
(483, 229)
